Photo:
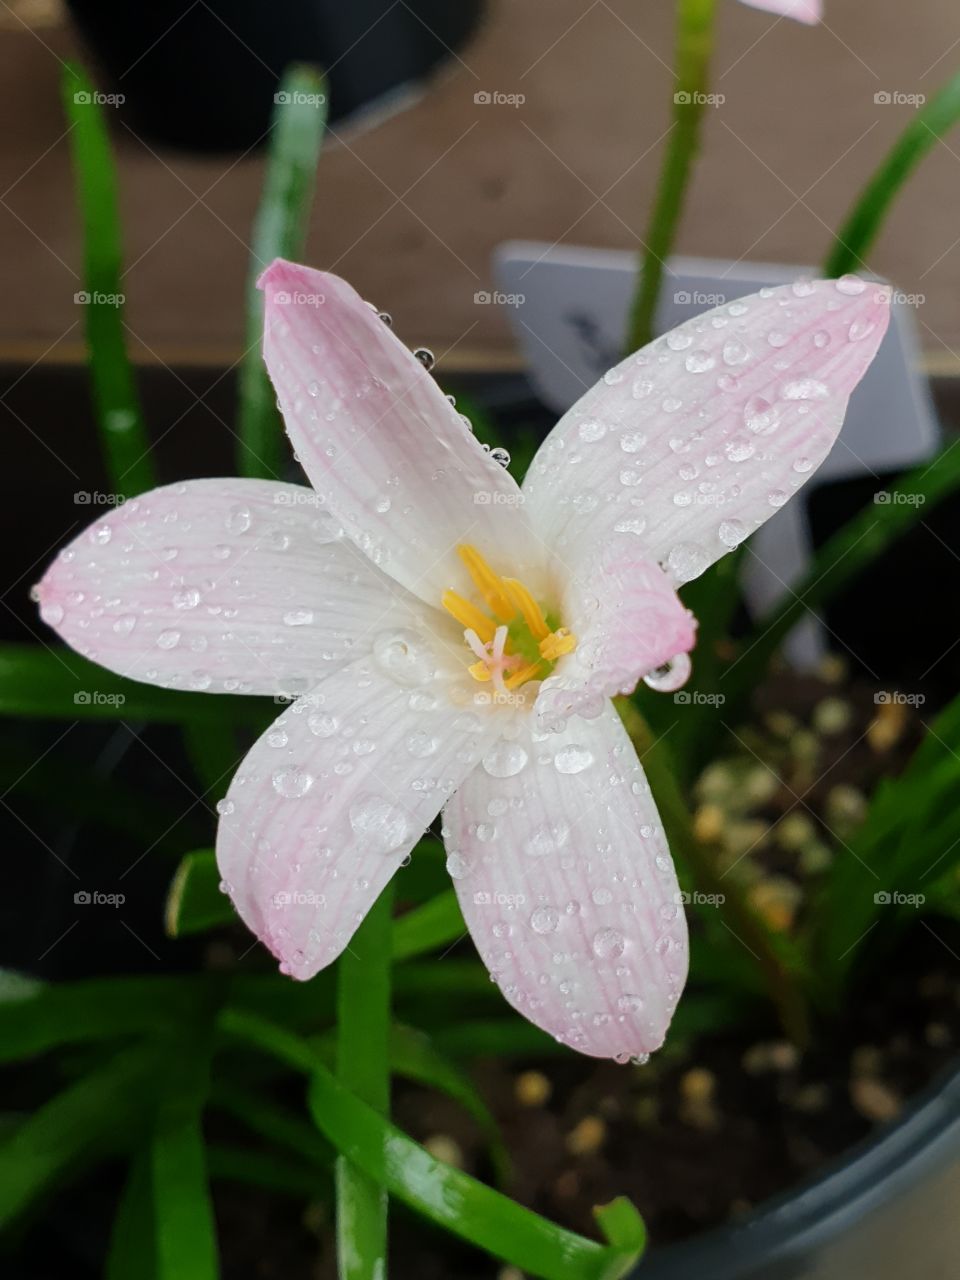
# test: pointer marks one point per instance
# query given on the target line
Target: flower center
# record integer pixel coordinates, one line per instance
(520, 642)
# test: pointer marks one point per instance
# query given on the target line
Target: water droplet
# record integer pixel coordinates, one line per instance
(322, 724)
(168, 639)
(189, 598)
(632, 441)
(671, 676)
(699, 362)
(123, 626)
(637, 524)
(732, 532)
(505, 759)
(52, 614)
(298, 617)
(735, 352)
(405, 656)
(677, 340)
(225, 808)
(457, 866)
(292, 783)
(239, 520)
(500, 456)
(821, 339)
(381, 825)
(760, 416)
(806, 389)
(852, 286)
(425, 356)
(100, 534)
(573, 759)
(608, 944)
(860, 329)
(545, 920)
(547, 839)
(421, 745)
(687, 560)
(592, 430)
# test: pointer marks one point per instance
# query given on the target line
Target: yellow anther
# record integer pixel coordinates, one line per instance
(479, 671)
(528, 608)
(468, 615)
(487, 583)
(523, 675)
(557, 644)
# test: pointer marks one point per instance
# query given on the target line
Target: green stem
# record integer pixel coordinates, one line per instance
(701, 860)
(694, 42)
(363, 1065)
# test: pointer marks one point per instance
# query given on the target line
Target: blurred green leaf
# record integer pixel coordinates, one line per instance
(195, 902)
(261, 1115)
(262, 1169)
(214, 754)
(437, 923)
(123, 434)
(53, 682)
(927, 126)
(40, 1017)
(279, 231)
(80, 1126)
(362, 1059)
(132, 1251)
(186, 1240)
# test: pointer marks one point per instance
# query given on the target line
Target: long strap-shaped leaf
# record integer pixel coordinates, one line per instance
(280, 231)
(928, 125)
(123, 435)
(445, 1195)
(363, 1062)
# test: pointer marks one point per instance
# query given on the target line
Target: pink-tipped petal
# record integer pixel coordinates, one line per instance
(383, 446)
(563, 874)
(332, 798)
(689, 445)
(807, 11)
(241, 586)
(628, 621)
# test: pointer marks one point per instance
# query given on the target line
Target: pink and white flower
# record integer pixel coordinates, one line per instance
(808, 11)
(453, 640)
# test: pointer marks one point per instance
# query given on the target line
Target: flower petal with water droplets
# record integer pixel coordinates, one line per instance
(220, 585)
(332, 798)
(566, 884)
(710, 429)
(379, 440)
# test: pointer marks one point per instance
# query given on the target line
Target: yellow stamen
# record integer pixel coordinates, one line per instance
(557, 644)
(529, 610)
(468, 615)
(487, 583)
(522, 676)
(479, 671)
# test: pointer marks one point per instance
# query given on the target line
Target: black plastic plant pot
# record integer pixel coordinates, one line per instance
(887, 1210)
(202, 76)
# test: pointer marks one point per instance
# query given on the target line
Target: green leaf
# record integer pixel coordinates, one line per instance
(54, 682)
(262, 1169)
(275, 1123)
(363, 1030)
(927, 126)
(279, 231)
(123, 434)
(186, 1238)
(81, 1125)
(132, 1251)
(437, 923)
(444, 1195)
(195, 902)
(38, 1017)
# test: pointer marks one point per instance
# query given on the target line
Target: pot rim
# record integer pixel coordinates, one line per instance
(870, 1175)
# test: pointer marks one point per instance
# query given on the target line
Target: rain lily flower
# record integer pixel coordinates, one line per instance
(453, 641)
(808, 11)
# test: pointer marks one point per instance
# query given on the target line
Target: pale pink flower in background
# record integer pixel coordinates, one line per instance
(808, 11)
(454, 640)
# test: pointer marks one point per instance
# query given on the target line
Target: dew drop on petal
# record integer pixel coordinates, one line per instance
(505, 759)
(379, 824)
(732, 532)
(671, 676)
(545, 920)
(322, 724)
(292, 783)
(608, 944)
